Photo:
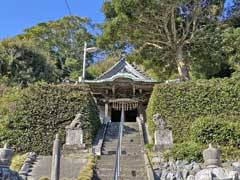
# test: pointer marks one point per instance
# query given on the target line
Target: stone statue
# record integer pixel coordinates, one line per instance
(74, 136)
(159, 121)
(76, 123)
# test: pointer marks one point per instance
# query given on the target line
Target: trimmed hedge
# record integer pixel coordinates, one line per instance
(46, 110)
(211, 129)
(180, 104)
(189, 151)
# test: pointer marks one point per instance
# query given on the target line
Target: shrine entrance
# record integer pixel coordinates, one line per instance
(130, 115)
(123, 86)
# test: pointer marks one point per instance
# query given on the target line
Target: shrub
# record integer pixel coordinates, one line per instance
(229, 153)
(215, 130)
(18, 161)
(46, 110)
(87, 171)
(189, 151)
(44, 178)
(181, 103)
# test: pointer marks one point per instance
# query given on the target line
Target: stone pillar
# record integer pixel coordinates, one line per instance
(56, 156)
(106, 115)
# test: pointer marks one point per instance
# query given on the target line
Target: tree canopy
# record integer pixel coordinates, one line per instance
(22, 63)
(63, 39)
(162, 31)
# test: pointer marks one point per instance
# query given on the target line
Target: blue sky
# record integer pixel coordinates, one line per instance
(16, 15)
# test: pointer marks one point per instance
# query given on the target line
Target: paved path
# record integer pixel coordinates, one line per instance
(70, 167)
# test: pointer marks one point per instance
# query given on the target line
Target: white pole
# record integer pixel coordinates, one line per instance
(84, 60)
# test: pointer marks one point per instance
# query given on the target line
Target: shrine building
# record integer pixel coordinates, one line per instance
(123, 86)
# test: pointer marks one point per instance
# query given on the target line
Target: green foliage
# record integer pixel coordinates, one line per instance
(44, 178)
(24, 63)
(229, 153)
(231, 46)
(149, 147)
(100, 67)
(160, 32)
(64, 40)
(209, 62)
(189, 151)
(8, 98)
(87, 171)
(46, 110)
(216, 130)
(180, 104)
(17, 162)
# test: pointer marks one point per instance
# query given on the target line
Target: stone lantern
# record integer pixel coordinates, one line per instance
(5, 156)
(212, 161)
(211, 157)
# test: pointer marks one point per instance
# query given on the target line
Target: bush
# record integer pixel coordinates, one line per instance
(189, 151)
(46, 110)
(87, 171)
(229, 153)
(216, 130)
(17, 162)
(180, 104)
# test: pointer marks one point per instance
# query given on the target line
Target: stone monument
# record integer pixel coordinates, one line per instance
(163, 136)
(74, 135)
(5, 160)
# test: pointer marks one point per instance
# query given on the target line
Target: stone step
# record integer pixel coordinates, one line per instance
(70, 167)
(127, 173)
(126, 163)
(123, 157)
(120, 178)
(132, 162)
(125, 150)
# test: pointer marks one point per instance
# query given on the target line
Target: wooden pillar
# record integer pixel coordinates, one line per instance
(113, 90)
(106, 114)
(134, 90)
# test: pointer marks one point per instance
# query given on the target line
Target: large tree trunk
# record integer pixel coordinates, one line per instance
(182, 67)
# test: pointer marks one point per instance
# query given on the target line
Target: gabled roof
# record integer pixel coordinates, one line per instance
(123, 69)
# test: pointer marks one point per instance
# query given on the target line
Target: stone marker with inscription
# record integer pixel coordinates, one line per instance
(163, 136)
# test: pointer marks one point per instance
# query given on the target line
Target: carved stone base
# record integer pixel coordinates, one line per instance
(162, 147)
(74, 149)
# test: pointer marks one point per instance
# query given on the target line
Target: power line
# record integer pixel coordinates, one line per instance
(68, 7)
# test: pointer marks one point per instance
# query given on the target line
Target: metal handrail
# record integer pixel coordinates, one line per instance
(119, 147)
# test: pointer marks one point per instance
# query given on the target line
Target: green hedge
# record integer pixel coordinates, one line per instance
(181, 103)
(46, 110)
(189, 151)
(216, 130)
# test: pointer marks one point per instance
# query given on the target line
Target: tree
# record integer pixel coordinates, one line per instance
(231, 47)
(167, 25)
(24, 63)
(63, 39)
(100, 67)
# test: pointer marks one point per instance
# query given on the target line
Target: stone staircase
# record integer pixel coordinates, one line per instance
(132, 165)
(70, 167)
